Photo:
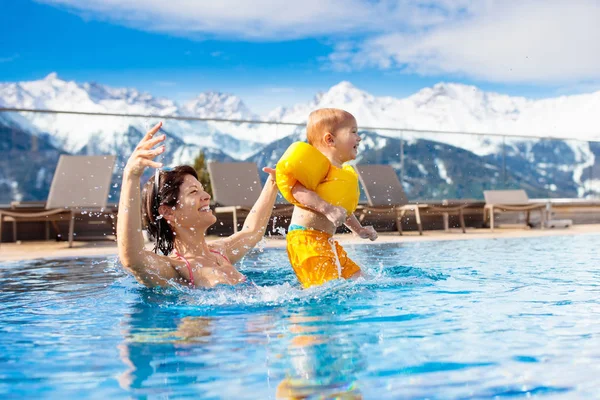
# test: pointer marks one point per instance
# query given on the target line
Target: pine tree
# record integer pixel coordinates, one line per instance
(202, 171)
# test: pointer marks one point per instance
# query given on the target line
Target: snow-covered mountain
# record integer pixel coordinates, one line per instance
(455, 107)
(218, 105)
(443, 107)
(460, 108)
(74, 132)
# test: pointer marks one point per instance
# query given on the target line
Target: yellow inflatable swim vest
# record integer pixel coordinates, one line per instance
(303, 163)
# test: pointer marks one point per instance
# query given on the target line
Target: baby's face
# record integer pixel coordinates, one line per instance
(346, 141)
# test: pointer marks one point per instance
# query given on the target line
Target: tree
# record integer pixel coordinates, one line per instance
(202, 171)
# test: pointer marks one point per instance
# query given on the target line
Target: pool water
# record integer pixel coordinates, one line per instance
(456, 319)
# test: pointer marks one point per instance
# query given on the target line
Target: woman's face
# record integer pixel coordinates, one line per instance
(192, 210)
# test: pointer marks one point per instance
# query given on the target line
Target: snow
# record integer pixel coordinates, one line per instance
(444, 107)
(449, 107)
(593, 185)
(442, 171)
(73, 132)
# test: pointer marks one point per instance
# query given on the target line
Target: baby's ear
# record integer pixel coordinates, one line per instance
(328, 139)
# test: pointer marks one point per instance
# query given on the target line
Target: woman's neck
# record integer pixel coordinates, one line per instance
(190, 243)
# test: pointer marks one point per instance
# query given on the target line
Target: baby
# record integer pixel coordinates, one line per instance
(333, 139)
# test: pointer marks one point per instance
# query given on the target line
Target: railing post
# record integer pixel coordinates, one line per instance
(401, 157)
(503, 162)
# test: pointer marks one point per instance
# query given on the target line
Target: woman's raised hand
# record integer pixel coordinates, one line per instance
(270, 171)
(145, 152)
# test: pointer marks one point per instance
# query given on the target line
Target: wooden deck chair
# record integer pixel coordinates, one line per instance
(497, 201)
(450, 207)
(236, 186)
(384, 192)
(80, 184)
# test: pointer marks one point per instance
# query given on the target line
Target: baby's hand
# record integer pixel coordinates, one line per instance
(368, 232)
(337, 215)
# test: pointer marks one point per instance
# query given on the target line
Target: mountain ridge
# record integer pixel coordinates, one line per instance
(442, 107)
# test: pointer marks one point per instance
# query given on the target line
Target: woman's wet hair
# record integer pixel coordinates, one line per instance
(167, 194)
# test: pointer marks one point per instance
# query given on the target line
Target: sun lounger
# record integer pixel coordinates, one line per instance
(384, 191)
(80, 184)
(498, 201)
(236, 187)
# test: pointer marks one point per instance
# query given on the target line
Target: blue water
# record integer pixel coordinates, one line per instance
(459, 319)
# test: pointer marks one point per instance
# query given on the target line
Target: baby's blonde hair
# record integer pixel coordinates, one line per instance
(325, 120)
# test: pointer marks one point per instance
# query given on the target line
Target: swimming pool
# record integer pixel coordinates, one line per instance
(457, 319)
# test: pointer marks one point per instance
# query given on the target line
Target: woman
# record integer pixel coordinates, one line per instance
(176, 212)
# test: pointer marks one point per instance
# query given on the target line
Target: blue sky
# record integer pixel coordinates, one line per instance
(274, 52)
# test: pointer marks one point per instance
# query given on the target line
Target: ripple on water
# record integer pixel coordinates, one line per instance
(476, 319)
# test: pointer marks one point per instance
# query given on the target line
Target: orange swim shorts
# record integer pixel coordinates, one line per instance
(313, 258)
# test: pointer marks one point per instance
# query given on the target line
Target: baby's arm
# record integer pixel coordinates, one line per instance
(365, 232)
(312, 201)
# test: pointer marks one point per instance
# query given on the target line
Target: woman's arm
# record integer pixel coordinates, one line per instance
(311, 200)
(237, 245)
(148, 268)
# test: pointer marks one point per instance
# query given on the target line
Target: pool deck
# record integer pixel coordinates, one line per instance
(49, 249)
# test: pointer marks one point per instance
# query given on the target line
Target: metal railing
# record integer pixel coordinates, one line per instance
(298, 124)
(432, 164)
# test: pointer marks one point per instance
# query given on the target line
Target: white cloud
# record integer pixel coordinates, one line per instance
(243, 19)
(539, 41)
(272, 20)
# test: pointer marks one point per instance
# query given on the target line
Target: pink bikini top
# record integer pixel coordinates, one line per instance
(189, 267)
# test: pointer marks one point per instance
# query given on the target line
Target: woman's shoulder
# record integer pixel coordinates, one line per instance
(176, 262)
(218, 247)
(217, 244)
(156, 270)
